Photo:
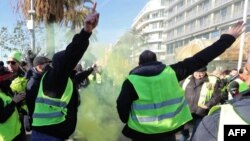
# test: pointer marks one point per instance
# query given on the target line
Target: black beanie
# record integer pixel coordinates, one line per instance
(203, 69)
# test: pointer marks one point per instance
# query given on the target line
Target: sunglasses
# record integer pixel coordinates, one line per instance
(11, 62)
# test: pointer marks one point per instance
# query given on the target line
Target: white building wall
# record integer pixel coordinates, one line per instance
(169, 24)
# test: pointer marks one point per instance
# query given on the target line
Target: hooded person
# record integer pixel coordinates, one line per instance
(56, 104)
(151, 102)
(34, 75)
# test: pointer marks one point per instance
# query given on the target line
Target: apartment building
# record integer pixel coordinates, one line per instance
(149, 24)
(182, 21)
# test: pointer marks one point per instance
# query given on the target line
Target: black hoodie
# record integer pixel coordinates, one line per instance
(55, 81)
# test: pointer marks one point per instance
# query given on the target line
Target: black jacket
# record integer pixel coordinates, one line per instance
(82, 76)
(182, 69)
(55, 81)
(6, 111)
(32, 88)
(192, 95)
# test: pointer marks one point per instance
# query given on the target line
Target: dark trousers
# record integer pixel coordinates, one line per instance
(192, 124)
(197, 121)
(37, 136)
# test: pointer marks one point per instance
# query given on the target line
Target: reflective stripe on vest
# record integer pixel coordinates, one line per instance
(12, 123)
(49, 111)
(227, 110)
(161, 106)
(207, 89)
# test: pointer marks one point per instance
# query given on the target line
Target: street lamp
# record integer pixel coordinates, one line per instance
(31, 24)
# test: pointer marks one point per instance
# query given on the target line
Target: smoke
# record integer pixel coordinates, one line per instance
(98, 119)
(97, 116)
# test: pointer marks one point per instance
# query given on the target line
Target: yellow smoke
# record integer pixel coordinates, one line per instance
(97, 117)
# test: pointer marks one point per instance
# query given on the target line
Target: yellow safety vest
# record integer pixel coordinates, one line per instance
(227, 111)
(12, 127)
(207, 89)
(49, 111)
(161, 106)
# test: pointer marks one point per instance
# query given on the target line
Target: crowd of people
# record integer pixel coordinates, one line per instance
(156, 101)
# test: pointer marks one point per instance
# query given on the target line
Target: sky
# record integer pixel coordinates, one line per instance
(116, 17)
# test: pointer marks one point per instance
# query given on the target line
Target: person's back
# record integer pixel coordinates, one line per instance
(148, 81)
(55, 113)
(130, 104)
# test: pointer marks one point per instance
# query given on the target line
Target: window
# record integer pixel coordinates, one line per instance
(160, 35)
(238, 7)
(215, 34)
(204, 6)
(180, 30)
(170, 49)
(154, 15)
(159, 46)
(180, 5)
(180, 17)
(154, 25)
(223, 13)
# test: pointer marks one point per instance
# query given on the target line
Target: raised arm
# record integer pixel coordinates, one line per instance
(202, 58)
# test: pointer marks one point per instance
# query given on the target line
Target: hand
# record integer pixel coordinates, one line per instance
(203, 106)
(91, 20)
(237, 29)
(18, 97)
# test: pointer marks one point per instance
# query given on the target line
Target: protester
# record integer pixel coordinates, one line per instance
(81, 76)
(202, 91)
(14, 60)
(34, 75)
(151, 102)
(14, 64)
(236, 112)
(55, 113)
(10, 123)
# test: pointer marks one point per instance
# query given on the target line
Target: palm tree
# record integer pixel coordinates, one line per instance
(74, 17)
(55, 11)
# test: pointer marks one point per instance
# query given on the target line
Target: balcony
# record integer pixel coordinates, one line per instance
(155, 40)
(146, 22)
(150, 30)
(219, 3)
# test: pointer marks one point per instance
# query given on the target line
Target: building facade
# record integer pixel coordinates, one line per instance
(186, 20)
(149, 24)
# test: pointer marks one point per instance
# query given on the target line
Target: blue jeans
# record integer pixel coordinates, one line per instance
(37, 136)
